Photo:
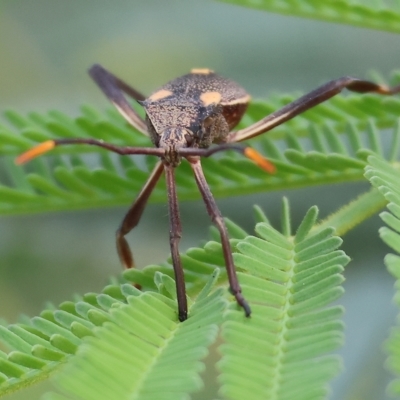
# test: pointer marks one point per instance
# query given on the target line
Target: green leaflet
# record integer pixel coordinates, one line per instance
(68, 180)
(385, 177)
(382, 15)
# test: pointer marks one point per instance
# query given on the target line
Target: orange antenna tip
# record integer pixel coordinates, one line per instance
(35, 152)
(259, 160)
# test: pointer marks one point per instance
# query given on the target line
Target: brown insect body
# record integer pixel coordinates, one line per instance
(194, 110)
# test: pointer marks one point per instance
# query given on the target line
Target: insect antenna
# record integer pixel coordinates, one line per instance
(44, 147)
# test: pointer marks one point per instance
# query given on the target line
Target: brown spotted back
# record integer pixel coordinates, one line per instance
(180, 101)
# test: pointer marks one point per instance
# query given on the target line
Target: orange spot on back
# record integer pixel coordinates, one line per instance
(203, 71)
(210, 98)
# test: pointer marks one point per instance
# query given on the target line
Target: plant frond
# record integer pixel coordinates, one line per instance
(67, 180)
(144, 352)
(381, 14)
(290, 282)
(43, 344)
(385, 177)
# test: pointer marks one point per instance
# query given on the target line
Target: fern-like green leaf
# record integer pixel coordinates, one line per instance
(42, 345)
(381, 14)
(68, 180)
(385, 177)
(290, 282)
(144, 352)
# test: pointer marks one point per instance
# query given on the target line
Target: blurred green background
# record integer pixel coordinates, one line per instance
(46, 47)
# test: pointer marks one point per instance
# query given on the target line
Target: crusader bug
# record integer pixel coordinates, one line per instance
(183, 119)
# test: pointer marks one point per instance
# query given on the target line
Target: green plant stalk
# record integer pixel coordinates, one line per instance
(355, 212)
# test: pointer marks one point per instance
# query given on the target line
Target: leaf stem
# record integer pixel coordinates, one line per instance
(353, 213)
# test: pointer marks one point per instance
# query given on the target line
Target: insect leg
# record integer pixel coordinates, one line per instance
(113, 88)
(308, 101)
(217, 219)
(174, 238)
(133, 216)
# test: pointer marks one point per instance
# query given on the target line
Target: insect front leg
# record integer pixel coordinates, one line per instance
(218, 220)
(175, 235)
